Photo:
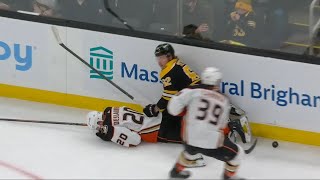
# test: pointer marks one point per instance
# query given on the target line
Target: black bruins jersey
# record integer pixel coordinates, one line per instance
(175, 77)
(243, 30)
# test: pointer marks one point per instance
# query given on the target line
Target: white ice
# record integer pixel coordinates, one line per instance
(29, 151)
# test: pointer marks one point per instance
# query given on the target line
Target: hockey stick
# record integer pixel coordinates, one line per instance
(240, 111)
(248, 151)
(57, 37)
(42, 122)
(251, 148)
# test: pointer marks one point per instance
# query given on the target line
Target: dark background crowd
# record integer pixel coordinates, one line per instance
(254, 23)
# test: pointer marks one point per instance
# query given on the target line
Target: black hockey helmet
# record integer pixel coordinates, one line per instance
(164, 49)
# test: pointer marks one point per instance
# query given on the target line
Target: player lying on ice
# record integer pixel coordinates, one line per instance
(128, 127)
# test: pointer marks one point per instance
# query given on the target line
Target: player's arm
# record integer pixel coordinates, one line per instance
(163, 102)
(182, 78)
(178, 103)
(119, 135)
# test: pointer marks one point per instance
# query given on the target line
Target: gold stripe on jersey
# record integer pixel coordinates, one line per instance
(195, 82)
(166, 98)
(167, 95)
(150, 129)
(170, 92)
(252, 24)
(168, 68)
(175, 77)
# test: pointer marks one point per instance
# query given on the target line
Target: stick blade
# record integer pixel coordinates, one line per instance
(56, 34)
(248, 151)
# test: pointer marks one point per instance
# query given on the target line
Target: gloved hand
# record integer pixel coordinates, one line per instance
(235, 126)
(105, 133)
(151, 110)
(233, 111)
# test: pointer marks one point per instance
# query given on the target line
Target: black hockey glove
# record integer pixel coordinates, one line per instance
(105, 133)
(235, 126)
(150, 110)
(234, 112)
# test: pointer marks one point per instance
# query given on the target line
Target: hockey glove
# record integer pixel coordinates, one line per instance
(150, 110)
(235, 126)
(105, 133)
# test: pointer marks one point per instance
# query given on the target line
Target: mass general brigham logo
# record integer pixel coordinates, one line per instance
(101, 59)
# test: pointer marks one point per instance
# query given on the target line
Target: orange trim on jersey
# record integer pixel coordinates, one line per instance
(169, 140)
(151, 137)
(230, 149)
(183, 128)
(152, 128)
(183, 113)
(226, 130)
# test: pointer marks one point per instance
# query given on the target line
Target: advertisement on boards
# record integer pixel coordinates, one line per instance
(124, 60)
(30, 57)
(271, 91)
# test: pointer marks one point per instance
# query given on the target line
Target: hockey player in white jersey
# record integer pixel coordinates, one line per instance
(124, 126)
(206, 117)
(128, 128)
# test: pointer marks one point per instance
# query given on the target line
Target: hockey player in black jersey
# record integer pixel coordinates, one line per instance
(175, 76)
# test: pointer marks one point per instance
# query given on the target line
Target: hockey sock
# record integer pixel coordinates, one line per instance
(230, 170)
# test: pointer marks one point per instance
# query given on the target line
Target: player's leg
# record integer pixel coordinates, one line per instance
(150, 137)
(119, 135)
(190, 157)
(231, 154)
(170, 128)
(232, 166)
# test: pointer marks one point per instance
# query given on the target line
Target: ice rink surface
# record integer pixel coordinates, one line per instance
(46, 151)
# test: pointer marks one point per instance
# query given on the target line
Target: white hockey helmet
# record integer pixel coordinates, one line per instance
(211, 76)
(93, 119)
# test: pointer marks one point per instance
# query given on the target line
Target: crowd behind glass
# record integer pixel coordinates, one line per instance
(261, 24)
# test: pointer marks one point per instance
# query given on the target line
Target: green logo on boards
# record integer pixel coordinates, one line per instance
(101, 59)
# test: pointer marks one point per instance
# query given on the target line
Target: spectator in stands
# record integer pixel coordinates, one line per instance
(198, 13)
(189, 32)
(46, 7)
(229, 6)
(90, 11)
(6, 4)
(241, 25)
